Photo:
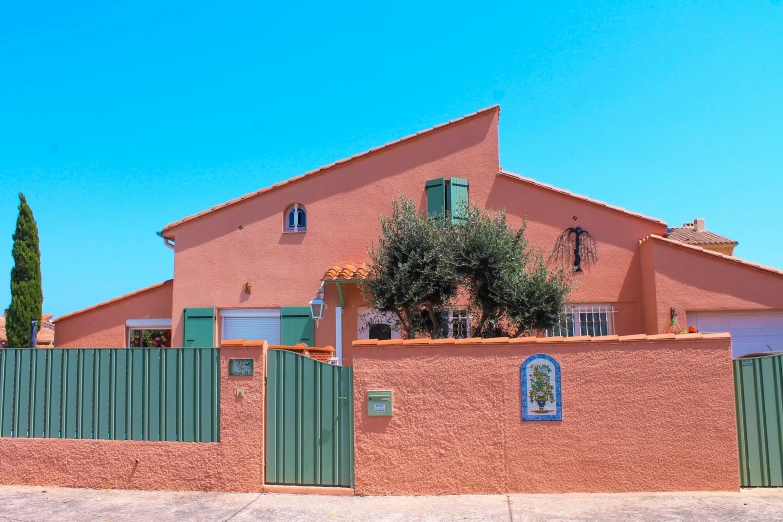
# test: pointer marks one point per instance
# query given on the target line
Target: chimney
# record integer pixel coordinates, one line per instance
(698, 225)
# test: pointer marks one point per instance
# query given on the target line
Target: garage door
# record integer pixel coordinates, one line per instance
(752, 333)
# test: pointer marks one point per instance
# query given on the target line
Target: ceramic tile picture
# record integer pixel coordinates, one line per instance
(541, 397)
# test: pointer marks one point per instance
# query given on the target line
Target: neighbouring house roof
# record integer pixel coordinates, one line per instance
(45, 331)
(599, 203)
(346, 273)
(331, 166)
(116, 299)
(689, 235)
(700, 250)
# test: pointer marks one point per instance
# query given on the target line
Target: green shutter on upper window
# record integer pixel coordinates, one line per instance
(458, 199)
(436, 197)
(199, 327)
(296, 326)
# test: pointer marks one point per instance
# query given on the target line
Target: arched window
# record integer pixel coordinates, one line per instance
(296, 218)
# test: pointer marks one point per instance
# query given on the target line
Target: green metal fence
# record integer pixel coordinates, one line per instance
(162, 394)
(309, 421)
(758, 385)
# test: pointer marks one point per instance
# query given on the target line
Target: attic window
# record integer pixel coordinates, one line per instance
(296, 218)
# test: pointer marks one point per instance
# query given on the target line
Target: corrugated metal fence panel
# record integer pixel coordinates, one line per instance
(758, 385)
(168, 394)
(309, 421)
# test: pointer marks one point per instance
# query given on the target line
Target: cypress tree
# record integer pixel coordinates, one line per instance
(26, 292)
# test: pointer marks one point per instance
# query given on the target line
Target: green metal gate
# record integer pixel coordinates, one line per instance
(309, 421)
(758, 385)
(161, 394)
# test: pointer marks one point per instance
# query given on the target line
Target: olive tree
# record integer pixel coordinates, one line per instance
(412, 274)
(423, 265)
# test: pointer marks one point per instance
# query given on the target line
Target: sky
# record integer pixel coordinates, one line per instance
(118, 119)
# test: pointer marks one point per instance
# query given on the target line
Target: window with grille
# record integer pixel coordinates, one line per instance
(592, 320)
(456, 323)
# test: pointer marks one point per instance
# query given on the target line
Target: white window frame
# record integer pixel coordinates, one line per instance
(145, 324)
(575, 310)
(295, 209)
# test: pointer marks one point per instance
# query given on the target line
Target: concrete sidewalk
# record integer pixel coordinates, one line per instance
(54, 504)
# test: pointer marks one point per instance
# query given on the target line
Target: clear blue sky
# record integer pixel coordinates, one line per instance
(117, 120)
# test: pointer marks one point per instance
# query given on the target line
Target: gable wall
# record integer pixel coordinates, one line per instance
(214, 258)
(690, 280)
(104, 326)
(616, 277)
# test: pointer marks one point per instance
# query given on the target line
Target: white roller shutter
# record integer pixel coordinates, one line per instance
(251, 325)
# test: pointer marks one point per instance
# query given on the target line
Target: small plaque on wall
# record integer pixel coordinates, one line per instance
(240, 367)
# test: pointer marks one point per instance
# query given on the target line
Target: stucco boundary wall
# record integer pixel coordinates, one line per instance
(233, 464)
(640, 413)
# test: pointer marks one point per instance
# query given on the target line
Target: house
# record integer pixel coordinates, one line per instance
(697, 234)
(45, 336)
(248, 268)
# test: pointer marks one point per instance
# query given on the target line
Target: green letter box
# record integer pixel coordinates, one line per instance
(379, 403)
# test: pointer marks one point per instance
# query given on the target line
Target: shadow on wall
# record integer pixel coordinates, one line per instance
(344, 178)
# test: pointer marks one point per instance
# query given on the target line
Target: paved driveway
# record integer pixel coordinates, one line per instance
(54, 504)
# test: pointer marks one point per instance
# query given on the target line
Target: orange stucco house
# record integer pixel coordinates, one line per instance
(248, 268)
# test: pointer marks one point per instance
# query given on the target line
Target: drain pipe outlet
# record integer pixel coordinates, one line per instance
(166, 241)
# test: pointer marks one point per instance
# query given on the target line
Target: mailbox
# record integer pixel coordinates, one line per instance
(379, 403)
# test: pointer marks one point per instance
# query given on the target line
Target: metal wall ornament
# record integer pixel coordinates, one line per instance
(575, 247)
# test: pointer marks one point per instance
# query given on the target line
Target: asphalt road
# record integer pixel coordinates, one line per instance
(53, 504)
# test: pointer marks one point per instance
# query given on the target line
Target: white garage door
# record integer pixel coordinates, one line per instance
(752, 333)
(251, 325)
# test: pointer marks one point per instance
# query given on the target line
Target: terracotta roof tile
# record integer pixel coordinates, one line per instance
(530, 181)
(326, 168)
(687, 234)
(347, 273)
(110, 301)
(45, 331)
(749, 264)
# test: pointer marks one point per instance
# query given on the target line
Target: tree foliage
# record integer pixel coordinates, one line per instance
(423, 265)
(26, 292)
(412, 273)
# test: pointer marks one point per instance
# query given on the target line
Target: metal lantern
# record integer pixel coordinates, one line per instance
(318, 305)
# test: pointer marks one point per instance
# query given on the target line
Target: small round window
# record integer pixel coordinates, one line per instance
(296, 219)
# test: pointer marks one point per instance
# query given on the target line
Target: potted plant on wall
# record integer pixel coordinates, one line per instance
(541, 389)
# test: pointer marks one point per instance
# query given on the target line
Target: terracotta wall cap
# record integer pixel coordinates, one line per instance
(523, 340)
(545, 340)
(605, 338)
(637, 337)
(661, 336)
(684, 337)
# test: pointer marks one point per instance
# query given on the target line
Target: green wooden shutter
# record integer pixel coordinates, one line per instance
(458, 200)
(199, 327)
(436, 197)
(296, 326)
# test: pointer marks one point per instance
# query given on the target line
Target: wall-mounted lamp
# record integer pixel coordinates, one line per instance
(248, 288)
(318, 304)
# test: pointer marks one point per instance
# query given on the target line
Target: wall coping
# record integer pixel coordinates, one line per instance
(243, 344)
(640, 338)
